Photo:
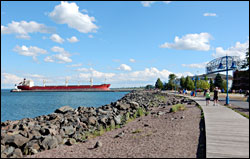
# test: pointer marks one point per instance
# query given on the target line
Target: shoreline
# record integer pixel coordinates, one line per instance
(68, 126)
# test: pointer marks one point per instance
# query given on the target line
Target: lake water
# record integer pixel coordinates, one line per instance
(18, 105)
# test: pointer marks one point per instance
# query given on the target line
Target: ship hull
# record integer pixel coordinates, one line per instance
(103, 87)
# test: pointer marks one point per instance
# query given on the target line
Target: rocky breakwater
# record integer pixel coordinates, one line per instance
(67, 126)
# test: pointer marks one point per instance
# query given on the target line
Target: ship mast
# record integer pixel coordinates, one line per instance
(66, 82)
(44, 83)
(91, 81)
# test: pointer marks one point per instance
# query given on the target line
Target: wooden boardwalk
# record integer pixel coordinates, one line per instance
(227, 132)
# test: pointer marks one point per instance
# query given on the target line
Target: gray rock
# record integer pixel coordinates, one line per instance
(160, 113)
(33, 151)
(18, 153)
(103, 112)
(123, 106)
(98, 144)
(33, 144)
(59, 139)
(70, 142)
(92, 120)
(117, 119)
(49, 142)
(68, 130)
(44, 131)
(64, 109)
(9, 150)
(16, 140)
(2, 148)
(134, 105)
(121, 134)
(182, 117)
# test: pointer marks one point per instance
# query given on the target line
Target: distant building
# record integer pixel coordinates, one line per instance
(240, 81)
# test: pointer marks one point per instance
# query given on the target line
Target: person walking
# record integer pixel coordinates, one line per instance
(216, 92)
(207, 97)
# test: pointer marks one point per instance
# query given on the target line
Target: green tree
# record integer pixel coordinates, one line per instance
(205, 78)
(171, 84)
(189, 84)
(149, 86)
(182, 82)
(218, 81)
(159, 84)
(204, 85)
(211, 85)
(224, 85)
(246, 64)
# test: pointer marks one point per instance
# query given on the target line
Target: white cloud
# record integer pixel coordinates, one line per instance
(167, 2)
(56, 38)
(34, 76)
(149, 3)
(84, 10)
(23, 28)
(68, 13)
(23, 36)
(239, 49)
(73, 39)
(62, 57)
(29, 51)
(132, 60)
(7, 78)
(83, 69)
(201, 65)
(209, 14)
(74, 65)
(91, 73)
(199, 42)
(124, 67)
(91, 36)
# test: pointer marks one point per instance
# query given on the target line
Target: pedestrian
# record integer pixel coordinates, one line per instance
(205, 91)
(207, 97)
(216, 92)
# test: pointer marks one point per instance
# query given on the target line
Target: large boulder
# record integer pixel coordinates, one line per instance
(123, 106)
(16, 140)
(49, 142)
(134, 105)
(92, 120)
(64, 109)
(68, 130)
(117, 119)
(17, 153)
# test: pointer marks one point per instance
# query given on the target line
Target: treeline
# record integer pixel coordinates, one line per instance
(189, 84)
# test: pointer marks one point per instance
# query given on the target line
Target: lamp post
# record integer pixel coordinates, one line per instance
(227, 97)
(196, 78)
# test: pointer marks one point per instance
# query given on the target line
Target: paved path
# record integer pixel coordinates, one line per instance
(239, 103)
(227, 132)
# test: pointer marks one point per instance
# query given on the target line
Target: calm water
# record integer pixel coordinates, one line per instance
(15, 106)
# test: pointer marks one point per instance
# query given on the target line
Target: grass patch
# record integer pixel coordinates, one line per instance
(140, 112)
(117, 126)
(160, 98)
(177, 107)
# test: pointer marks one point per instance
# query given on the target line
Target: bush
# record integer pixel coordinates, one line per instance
(177, 107)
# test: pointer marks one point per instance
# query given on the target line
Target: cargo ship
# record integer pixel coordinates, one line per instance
(28, 85)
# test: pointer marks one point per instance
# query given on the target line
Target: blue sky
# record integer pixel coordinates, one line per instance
(127, 43)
